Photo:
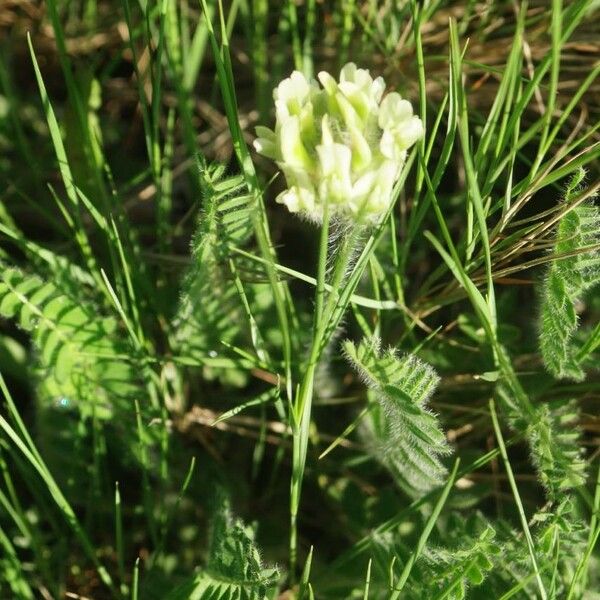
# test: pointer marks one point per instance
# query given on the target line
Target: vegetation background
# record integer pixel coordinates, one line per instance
(155, 304)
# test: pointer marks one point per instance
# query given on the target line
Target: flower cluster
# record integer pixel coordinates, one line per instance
(343, 144)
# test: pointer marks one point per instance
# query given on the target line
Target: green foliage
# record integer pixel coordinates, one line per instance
(80, 354)
(234, 570)
(559, 542)
(211, 311)
(464, 561)
(407, 437)
(552, 431)
(86, 375)
(555, 440)
(575, 271)
(13, 583)
(213, 380)
(466, 551)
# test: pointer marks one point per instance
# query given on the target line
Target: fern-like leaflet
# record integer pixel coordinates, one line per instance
(80, 355)
(83, 367)
(211, 310)
(463, 562)
(234, 570)
(551, 428)
(567, 280)
(553, 435)
(559, 541)
(407, 437)
(556, 449)
(469, 552)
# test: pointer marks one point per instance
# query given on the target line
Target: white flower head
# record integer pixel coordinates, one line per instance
(342, 144)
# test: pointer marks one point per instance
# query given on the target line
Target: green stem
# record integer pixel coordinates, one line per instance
(296, 46)
(327, 317)
(300, 448)
(338, 300)
(300, 416)
(321, 270)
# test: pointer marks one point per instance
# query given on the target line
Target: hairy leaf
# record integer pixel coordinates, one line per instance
(84, 371)
(553, 436)
(80, 354)
(234, 570)
(211, 310)
(566, 282)
(462, 563)
(555, 440)
(559, 541)
(408, 439)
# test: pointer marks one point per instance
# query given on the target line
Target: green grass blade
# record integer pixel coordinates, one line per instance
(429, 525)
(519, 504)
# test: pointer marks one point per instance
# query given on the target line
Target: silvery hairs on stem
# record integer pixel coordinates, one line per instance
(344, 143)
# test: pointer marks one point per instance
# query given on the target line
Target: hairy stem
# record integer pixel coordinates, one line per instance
(322, 332)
